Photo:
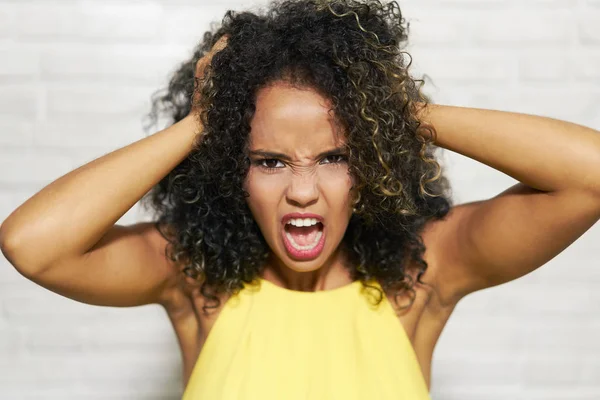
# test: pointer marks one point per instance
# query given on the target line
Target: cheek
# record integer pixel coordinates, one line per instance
(341, 181)
(259, 183)
(262, 195)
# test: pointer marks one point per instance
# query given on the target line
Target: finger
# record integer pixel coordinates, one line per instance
(221, 44)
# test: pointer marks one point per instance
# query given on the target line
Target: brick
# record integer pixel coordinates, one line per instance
(469, 3)
(27, 303)
(55, 340)
(205, 4)
(556, 392)
(19, 100)
(118, 367)
(43, 309)
(525, 298)
(455, 391)
(560, 337)
(12, 343)
(15, 131)
(134, 338)
(464, 66)
(523, 28)
(587, 271)
(588, 27)
(486, 332)
(546, 4)
(188, 23)
(38, 368)
(7, 20)
(587, 68)
(128, 64)
(434, 27)
(31, 167)
(92, 132)
(88, 100)
(566, 368)
(489, 369)
(88, 20)
(540, 99)
(543, 67)
(18, 62)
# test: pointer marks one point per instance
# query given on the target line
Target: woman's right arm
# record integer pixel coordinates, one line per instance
(65, 237)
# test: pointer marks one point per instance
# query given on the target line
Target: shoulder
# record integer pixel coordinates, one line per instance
(182, 294)
(431, 234)
(175, 290)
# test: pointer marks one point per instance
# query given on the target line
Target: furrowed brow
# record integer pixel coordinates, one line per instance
(271, 154)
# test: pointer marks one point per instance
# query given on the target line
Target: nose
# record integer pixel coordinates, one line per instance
(303, 188)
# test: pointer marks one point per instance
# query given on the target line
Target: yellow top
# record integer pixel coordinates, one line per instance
(270, 342)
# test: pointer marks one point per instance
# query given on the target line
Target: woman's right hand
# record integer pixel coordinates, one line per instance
(201, 66)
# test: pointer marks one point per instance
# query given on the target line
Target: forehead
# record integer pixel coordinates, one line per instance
(293, 120)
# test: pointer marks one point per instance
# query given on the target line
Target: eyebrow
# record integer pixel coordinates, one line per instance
(285, 157)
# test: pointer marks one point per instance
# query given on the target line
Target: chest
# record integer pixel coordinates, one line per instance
(192, 326)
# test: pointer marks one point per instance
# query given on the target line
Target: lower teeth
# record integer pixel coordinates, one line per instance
(309, 247)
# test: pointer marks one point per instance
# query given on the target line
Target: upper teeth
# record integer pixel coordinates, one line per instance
(302, 221)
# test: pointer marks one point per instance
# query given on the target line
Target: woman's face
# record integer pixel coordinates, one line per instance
(298, 126)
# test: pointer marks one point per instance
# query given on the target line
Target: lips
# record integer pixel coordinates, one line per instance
(304, 254)
(289, 216)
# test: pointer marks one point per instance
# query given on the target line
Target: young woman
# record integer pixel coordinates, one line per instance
(304, 244)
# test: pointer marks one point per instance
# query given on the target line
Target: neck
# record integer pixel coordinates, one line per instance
(333, 274)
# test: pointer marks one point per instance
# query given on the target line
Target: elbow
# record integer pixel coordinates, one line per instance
(7, 244)
(12, 251)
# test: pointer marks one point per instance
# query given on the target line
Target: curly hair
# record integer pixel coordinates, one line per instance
(346, 50)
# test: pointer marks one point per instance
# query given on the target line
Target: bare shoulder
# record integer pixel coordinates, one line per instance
(437, 300)
(182, 297)
(179, 289)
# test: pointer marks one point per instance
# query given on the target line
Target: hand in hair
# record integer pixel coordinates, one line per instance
(201, 66)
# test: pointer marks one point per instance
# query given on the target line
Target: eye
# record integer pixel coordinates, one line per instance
(264, 163)
(339, 158)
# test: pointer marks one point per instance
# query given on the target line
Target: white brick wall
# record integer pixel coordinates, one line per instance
(75, 82)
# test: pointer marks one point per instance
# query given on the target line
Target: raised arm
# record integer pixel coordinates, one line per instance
(65, 237)
(489, 242)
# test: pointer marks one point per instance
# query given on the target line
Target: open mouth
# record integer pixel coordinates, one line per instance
(304, 237)
(304, 242)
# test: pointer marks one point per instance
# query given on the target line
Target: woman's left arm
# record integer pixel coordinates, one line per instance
(489, 242)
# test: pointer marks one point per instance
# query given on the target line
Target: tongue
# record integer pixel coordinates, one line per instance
(304, 235)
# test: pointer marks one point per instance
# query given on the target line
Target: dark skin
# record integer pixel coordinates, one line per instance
(480, 244)
(307, 184)
(303, 183)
